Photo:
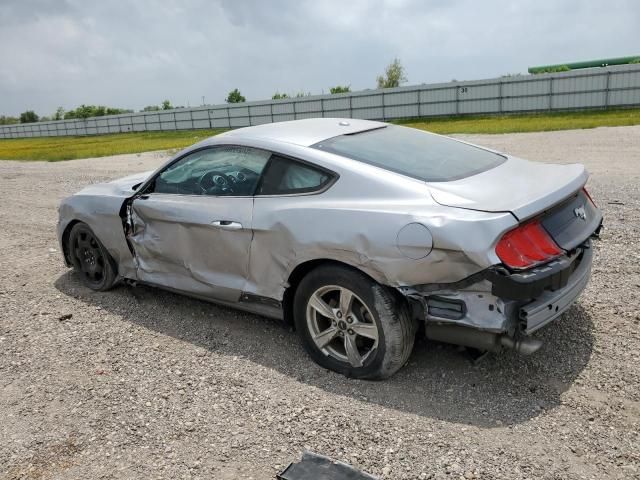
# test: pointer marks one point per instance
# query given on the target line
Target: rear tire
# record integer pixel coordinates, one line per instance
(90, 259)
(352, 325)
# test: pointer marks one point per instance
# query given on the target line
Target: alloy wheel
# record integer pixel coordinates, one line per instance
(341, 325)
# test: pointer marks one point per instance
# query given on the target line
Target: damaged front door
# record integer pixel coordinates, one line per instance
(191, 227)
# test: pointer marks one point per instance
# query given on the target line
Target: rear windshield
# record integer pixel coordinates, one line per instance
(414, 153)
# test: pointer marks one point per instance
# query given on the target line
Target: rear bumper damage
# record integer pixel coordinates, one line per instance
(551, 304)
(497, 309)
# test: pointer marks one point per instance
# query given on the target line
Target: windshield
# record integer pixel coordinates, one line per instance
(414, 153)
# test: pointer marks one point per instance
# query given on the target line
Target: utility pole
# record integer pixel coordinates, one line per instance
(203, 100)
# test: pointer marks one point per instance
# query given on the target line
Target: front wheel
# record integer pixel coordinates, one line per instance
(90, 259)
(352, 325)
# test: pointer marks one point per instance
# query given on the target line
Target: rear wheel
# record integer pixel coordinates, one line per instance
(351, 324)
(90, 259)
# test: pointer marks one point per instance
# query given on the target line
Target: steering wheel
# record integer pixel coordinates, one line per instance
(215, 182)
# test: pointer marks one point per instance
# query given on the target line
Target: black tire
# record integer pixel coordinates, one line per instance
(90, 259)
(395, 328)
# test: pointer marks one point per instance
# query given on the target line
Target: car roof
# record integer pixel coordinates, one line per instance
(305, 132)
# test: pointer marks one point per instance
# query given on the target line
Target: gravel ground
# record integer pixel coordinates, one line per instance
(138, 383)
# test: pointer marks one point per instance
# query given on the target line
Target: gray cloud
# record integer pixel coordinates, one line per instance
(132, 53)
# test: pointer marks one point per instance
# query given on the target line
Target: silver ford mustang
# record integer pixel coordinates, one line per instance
(359, 233)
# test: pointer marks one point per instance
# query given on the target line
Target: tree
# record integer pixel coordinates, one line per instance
(87, 111)
(59, 115)
(235, 97)
(83, 111)
(393, 76)
(150, 108)
(166, 105)
(552, 69)
(116, 111)
(4, 120)
(300, 94)
(28, 117)
(340, 89)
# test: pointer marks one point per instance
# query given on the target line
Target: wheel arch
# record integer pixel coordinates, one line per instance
(64, 240)
(303, 269)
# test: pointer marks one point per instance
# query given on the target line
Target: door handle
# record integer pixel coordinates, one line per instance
(227, 224)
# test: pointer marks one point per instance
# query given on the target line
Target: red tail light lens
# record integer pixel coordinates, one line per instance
(526, 246)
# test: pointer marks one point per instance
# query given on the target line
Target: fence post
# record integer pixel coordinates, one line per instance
(606, 90)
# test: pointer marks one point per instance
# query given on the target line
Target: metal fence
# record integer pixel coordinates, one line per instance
(616, 86)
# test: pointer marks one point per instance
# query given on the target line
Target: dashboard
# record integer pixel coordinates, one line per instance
(224, 180)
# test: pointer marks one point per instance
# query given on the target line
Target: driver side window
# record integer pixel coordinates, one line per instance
(218, 171)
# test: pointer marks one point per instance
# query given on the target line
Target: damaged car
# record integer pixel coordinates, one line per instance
(359, 233)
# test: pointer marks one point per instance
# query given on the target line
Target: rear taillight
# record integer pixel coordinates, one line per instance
(526, 246)
(584, 189)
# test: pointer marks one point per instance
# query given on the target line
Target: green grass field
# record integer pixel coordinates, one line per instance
(68, 148)
(540, 122)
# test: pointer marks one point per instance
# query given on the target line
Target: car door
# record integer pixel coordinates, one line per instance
(289, 223)
(192, 224)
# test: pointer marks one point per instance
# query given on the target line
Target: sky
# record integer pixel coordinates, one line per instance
(133, 53)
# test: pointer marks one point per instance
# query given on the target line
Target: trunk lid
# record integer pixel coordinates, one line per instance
(518, 186)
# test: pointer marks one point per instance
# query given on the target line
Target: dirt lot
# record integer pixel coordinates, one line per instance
(137, 383)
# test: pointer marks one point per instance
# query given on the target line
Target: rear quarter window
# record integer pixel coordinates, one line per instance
(414, 153)
(285, 176)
